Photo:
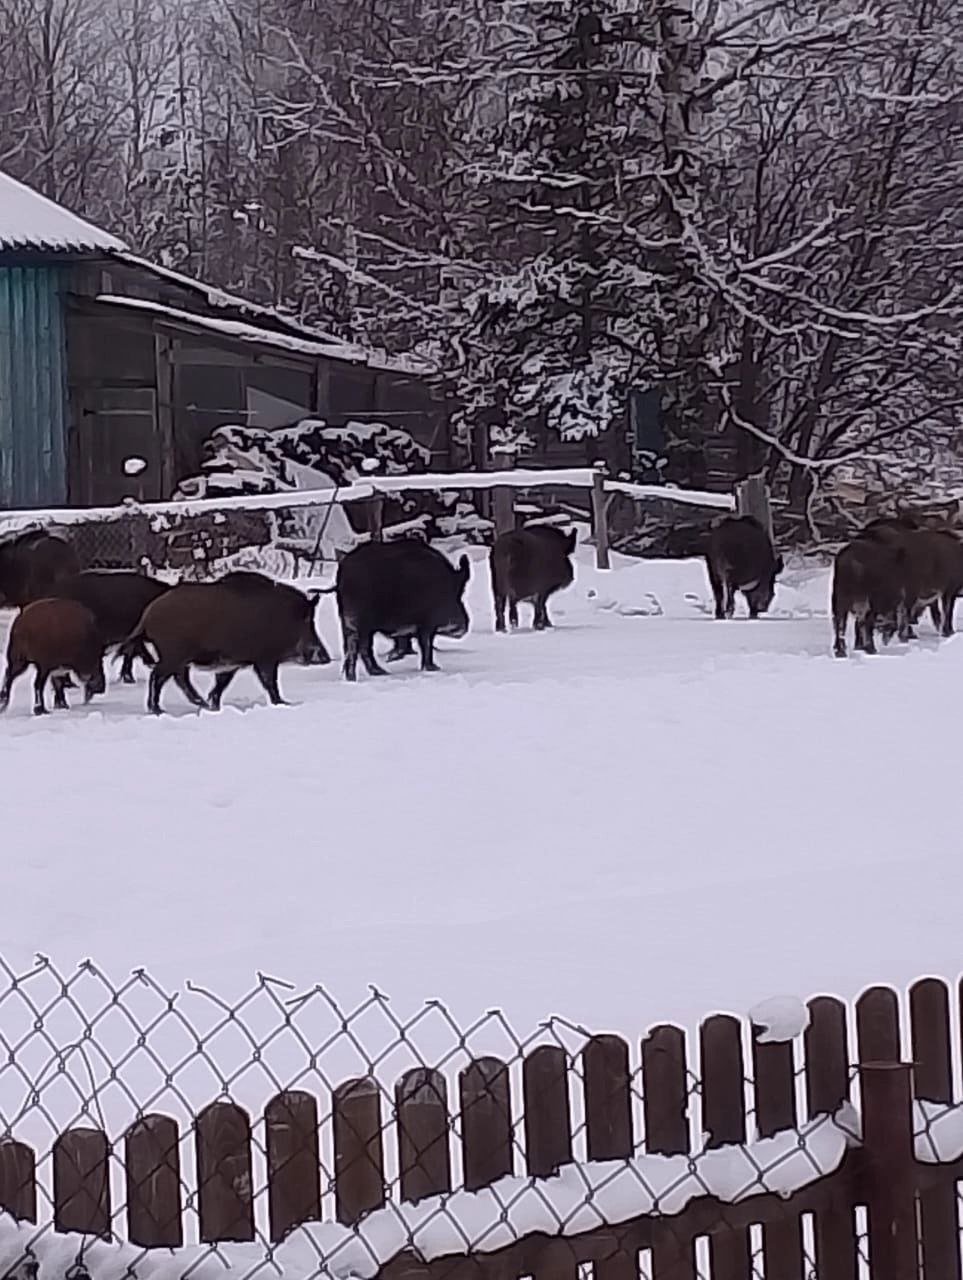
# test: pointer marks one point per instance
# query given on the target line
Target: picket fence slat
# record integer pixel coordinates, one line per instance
(608, 1099)
(82, 1183)
(673, 1251)
(933, 1082)
(424, 1157)
(225, 1200)
(358, 1152)
(153, 1173)
(607, 1086)
(826, 1050)
(486, 1122)
(548, 1115)
(730, 1255)
(774, 1086)
(18, 1181)
(877, 1025)
(665, 1092)
(724, 1122)
(293, 1160)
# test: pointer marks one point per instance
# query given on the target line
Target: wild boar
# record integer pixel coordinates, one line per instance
(932, 571)
(741, 558)
(400, 589)
(117, 598)
(530, 565)
(221, 629)
(868, 582)
(31, 564)
(55, 637)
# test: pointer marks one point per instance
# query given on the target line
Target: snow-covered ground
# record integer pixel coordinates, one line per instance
(643, 815)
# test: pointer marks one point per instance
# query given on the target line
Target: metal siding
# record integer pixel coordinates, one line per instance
(33, 388)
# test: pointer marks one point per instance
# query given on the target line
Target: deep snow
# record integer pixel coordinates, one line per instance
(643, 815)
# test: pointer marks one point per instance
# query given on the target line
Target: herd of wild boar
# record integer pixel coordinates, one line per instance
(71, 618)
(886, 577)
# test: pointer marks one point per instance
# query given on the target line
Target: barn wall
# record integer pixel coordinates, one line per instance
(33, 387)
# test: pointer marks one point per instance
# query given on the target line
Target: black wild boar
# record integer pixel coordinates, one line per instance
(932, 570)
(31, 564)
(213, 626)
(868, 582)
(117, 598)
(400, 589)
(741, 558)
(55, 637)
(530, 564)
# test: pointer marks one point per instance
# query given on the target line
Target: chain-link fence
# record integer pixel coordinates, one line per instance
(275, 1132)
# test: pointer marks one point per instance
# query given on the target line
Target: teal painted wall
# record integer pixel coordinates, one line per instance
(33, 387)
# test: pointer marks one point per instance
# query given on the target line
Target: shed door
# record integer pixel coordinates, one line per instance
(117, 424)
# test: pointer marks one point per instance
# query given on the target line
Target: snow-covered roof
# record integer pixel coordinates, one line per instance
(408, 366)
(221, 299)
(29, 221)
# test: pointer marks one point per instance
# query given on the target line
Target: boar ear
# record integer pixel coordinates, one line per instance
(464, 568)
(314, 595)
(779, 566)
(572, 540)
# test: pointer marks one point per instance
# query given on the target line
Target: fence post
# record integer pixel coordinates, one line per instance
(752, 499)
(888, 1160)
(504, 496)
(600, 525)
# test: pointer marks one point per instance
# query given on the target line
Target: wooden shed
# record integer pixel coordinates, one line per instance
(105, 357)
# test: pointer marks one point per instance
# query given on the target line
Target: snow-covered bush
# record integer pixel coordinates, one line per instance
(313, 455)
(308, 455)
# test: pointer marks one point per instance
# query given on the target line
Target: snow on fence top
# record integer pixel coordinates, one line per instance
(107, 1083)
(29, 220)
(574, 477)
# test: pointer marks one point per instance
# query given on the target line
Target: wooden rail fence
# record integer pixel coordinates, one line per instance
(912, 1206)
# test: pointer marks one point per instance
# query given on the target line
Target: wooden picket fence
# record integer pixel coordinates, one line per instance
(911, 1207)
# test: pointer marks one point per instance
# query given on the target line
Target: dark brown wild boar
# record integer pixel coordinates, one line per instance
(932, 570)
(56, 637)
(741, 558)
(530, 565)
(213, 626)
(31, 563)
(117, 598)
(868, 582)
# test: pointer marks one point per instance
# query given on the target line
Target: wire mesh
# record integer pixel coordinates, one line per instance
(275, 1131)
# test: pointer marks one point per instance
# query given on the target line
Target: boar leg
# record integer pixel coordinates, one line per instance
(60, 693)
(715, 582)
(426, 643)
(401, 648)
(15, 668)
(499, 600)
(221, 681)
(267, 673)
(730, 602)
(948, 604)
(840, 618)
(541, 613)
(159, 676)
(366, 649)
(512, 610)
(182, 679)
(350, 641)
(39, 685)
(869, 626)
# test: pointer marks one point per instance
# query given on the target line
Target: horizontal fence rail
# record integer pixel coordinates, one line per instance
(233, 1133)
(442, 481)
